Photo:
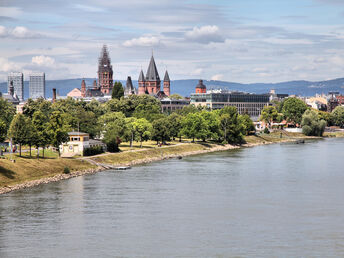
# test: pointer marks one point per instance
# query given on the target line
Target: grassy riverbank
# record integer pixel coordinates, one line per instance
(26, 169)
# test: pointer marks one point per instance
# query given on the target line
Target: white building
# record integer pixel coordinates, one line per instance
(37, 85)
(18, 83)
(77, 143)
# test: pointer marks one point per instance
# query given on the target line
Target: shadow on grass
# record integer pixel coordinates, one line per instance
(205, 144)
(7, 173)
(34, 157)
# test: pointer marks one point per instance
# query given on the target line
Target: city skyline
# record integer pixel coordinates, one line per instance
(265, 41)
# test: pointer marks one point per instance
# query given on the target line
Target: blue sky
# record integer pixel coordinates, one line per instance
(240, 41)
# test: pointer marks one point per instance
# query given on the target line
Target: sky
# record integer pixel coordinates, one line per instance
(243, 41)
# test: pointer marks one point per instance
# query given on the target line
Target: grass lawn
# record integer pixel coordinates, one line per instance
(26, 168)
(126, 157)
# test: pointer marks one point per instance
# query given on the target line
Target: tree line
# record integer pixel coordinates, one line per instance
(133, 118)
(297, 113)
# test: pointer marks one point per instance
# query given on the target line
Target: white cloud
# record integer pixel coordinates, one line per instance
(18, 32)
(43, 61)
(217, 77)
(142, 42)
(7, 66)
(88, 8)
(205, 34)
(11, 12)
(288, 41)
(197, 72)
(3, 31)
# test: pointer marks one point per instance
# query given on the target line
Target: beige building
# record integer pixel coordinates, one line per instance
(75, 146)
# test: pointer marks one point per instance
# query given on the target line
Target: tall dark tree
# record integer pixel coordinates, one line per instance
(160, 130)
(19, 131)
(57, 129)
(293, 109)
(6, 115)
(230, 125)
(117, 91)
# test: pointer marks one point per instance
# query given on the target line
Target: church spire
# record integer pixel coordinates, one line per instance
(152, 72)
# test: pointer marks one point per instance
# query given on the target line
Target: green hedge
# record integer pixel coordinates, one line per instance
(93, 151)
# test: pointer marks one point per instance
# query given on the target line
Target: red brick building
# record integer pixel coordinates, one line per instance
(201, 88)
(105, 72)
(151, 83)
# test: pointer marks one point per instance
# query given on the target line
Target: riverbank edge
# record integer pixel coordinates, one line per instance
(59, 177)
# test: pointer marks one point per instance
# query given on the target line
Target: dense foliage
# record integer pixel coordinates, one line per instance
(133, 118)
(293, 109)
(311, 123)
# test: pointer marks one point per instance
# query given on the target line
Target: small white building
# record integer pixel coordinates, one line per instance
(78, 141)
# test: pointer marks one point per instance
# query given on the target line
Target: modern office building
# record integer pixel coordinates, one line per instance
(37, 85)
(18, 83)
(246, 103)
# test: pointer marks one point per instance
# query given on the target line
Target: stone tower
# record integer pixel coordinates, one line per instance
(201, 88)
(167, 84)
(83, 89)
(105, 72)
(142, 87)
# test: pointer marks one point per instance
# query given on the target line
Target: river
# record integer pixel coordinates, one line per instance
(282, 200)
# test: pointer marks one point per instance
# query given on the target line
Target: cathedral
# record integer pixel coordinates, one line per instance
(151, 83)
(105, 72)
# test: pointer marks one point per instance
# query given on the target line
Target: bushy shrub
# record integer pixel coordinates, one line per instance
(93, 151)
(112, 146)
(266, 130)
(311, 124)
(66, 170)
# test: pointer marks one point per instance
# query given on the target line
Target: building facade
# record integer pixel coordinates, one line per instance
(18, 84)
(246, 103)
(105, 72)
(169, 105)
(37, 85)
(151, 83)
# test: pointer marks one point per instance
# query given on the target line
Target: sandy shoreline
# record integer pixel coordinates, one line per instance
(59, 177)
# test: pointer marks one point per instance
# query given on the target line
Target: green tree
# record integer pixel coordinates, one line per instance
(58, 129)
(338, 116)
(117, 90)
(187, 110)
(174, 122)
(195, 126)
(325, 116)
(269, 114)
(230, 125)
(41, 124)
(113, 127)
(246, 124)
(311, 124)
(130, 130)
(3, 131)
(161, 130)
(18, 130)
(143, 129)
(213, 123)
(176, 96)
(293, 109)
(6, 115)
(40, 104)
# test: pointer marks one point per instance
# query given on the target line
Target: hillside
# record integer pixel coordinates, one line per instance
(185, 87)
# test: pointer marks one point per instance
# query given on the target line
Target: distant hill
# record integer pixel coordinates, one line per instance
(186, 87)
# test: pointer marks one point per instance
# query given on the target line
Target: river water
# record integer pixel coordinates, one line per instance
(269, 201)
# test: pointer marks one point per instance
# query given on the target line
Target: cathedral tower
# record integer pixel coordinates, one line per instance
(167, 84)
(105, 72)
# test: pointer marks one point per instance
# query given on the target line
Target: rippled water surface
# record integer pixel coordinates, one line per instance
(268, 201)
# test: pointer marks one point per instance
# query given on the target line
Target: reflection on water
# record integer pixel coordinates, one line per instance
(271, 201)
